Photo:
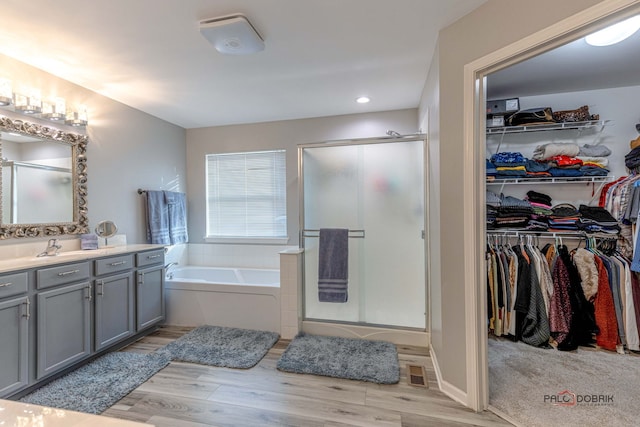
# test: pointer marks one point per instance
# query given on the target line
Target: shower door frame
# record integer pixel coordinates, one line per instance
(425, 233)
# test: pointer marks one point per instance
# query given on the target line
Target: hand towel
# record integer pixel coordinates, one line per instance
(157, 218)
(177, 216)
(333, 263)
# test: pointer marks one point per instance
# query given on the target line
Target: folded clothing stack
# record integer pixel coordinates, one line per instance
(493, 202)
(564, 217)
(595, 219)
(513, 212)
(541, 205)
(553, 160)
(509, 164)
(571, 160)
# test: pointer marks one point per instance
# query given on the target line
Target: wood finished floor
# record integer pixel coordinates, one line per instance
(190, 395)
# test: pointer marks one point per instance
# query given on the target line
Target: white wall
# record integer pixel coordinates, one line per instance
(493, 25)
(127, 150)
(279, 135)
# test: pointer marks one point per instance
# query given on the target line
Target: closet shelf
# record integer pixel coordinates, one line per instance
(552, 180)
(505, 232)
(548, 127)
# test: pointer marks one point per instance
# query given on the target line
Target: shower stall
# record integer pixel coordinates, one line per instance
(375, 188)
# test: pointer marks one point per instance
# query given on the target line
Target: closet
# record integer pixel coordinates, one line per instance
(556, 236)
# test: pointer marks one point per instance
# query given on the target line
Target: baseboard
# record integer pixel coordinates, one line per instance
(446, 387)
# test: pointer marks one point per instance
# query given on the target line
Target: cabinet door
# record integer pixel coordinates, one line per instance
(64, 327)
(114, 316)
(14, 333)
(150, 297)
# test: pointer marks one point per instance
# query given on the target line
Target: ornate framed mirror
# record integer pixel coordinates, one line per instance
(43, 180)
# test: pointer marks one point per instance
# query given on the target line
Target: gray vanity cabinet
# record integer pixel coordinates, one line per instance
(114, 300)
(150, 289)
(14, 335)
(15, 313)
(59, 314)
(63, 317)
(114, 309)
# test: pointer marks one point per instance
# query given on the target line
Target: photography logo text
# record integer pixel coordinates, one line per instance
(569, 398)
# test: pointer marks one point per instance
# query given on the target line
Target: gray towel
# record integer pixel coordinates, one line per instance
(333, 263)
(593, 150)
(157, 218)
(177, 216)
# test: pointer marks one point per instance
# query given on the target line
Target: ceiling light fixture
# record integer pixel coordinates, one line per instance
(232, 35)
(614, 33)
(363, 100)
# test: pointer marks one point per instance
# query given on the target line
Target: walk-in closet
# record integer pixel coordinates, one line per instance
(562, 202)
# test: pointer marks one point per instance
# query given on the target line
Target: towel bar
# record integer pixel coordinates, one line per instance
(316, 233)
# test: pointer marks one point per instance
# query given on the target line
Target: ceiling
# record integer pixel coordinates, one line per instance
(319, 56)
(576, 66)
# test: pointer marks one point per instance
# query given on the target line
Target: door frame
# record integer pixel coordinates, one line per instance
(474, 119)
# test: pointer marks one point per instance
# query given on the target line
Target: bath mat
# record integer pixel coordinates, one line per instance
(222, 346)
(355, 359)
(95, 387)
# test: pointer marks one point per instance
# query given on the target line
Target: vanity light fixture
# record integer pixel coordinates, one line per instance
(78, 117)
(363, 100)
(54, 109)
(614, 33)
(232, 34)
(6, 93)
(28, 102)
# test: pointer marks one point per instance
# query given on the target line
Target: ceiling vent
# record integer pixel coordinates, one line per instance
(232, 35)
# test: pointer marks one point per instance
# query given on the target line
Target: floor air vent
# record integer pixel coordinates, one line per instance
(417, 376)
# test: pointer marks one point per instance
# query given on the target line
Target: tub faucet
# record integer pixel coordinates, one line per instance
(169, 275)
(52, 248)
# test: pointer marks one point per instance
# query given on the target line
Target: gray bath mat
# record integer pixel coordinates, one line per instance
(221, 346)
(95, 387)
(356, 359)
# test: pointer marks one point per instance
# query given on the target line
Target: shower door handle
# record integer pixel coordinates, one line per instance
(423, 234)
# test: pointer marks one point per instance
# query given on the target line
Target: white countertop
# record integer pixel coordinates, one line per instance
(70, 256)
(16, 414)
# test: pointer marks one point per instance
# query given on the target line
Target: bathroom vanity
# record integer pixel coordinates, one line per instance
(60, 311)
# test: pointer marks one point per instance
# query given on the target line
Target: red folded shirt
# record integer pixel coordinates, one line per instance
(565, 161)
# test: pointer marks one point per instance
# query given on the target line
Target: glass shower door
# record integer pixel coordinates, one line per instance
(376, 190)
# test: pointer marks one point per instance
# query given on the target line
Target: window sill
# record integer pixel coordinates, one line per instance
(248, 240)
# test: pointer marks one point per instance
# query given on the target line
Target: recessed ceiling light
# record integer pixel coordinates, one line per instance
(614, 33)
(363, 100)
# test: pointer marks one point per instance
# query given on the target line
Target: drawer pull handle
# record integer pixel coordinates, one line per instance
(113, 264)
(66, 273)
(153, 256)
(4, 285)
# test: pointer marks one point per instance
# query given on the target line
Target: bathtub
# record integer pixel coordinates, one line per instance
(234, 297)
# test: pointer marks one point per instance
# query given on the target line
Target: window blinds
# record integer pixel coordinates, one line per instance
(246, 194)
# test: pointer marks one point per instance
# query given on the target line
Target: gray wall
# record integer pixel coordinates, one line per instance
(278, 135)
(492, 26)
(127, 150)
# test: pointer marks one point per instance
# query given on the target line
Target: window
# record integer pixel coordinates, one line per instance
(246, 195)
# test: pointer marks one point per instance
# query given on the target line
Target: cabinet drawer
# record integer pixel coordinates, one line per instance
(13, 284)
(48, 277)
(150, 258)
(114, 264)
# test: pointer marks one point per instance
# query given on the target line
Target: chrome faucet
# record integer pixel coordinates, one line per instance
(167, 274)
(52, 248)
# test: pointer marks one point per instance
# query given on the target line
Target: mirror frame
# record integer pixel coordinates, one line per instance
(78, 144)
